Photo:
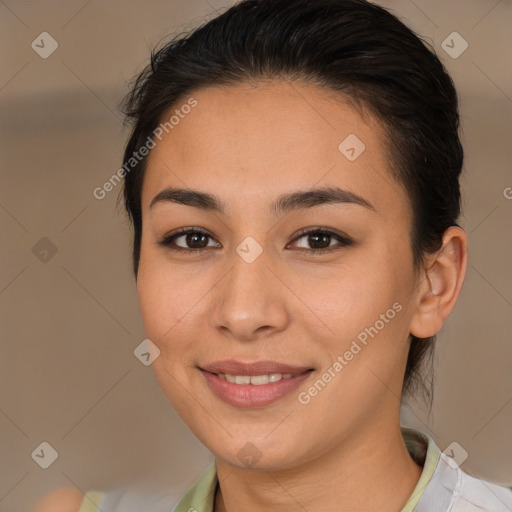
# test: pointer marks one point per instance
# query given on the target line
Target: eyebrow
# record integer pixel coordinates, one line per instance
(283, 204)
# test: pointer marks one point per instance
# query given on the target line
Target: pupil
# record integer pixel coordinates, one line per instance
(321, 236)
(192, 236)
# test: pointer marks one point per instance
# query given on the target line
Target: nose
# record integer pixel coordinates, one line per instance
(250, 300)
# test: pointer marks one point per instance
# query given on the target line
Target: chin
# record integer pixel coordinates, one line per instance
(252, 453)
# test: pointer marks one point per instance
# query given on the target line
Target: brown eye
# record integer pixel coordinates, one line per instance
(196, 240)
(193, 240)
(318, 241)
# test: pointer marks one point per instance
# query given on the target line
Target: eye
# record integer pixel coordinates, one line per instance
(319, 240)
(195, 239)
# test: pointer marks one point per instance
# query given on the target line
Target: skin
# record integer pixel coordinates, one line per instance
(247, 145)
(64, 499)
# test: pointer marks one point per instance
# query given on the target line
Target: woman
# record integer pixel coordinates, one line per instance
(292, 179)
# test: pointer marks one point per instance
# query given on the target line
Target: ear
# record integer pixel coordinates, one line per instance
(440, 283)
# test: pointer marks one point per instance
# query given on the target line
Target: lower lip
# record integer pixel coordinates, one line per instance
(249, 395)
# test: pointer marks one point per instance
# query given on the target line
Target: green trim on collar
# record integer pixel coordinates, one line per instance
(416, 441)
(200, 497)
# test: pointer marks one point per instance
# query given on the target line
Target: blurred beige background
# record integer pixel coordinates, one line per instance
(70, 319)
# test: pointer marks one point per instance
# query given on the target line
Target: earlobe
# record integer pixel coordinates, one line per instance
(441, 284)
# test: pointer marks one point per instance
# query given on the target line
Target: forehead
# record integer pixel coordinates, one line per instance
(263, 140)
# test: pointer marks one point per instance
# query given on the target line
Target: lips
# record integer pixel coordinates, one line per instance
(219, 377)
(233, 367)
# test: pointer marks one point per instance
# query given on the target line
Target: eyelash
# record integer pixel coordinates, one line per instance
(168, 240)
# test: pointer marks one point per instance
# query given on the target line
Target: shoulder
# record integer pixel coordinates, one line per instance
(451, 489)
(473, 493)
(64, 499)
(120, 499)
(448, 488)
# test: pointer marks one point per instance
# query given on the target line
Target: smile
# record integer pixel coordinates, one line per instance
(255, 380)
(248, 391)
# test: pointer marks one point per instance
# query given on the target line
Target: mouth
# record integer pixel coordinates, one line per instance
(255, 380)
(247, 385)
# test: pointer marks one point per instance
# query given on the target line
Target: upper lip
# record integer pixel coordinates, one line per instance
(233, 367)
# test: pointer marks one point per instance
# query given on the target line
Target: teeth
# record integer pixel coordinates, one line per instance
(259, 379)
(256, 380)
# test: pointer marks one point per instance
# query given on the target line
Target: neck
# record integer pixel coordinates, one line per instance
(367, 470)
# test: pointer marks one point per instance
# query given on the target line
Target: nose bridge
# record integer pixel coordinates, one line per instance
(248, 262)
(246, 299)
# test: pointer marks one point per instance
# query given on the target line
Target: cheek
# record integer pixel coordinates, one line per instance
(355, 295)
(367, 304)
(172, 304)
(159, 299)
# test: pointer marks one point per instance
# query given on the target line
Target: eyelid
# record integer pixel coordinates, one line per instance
(321, 229)
(344, 240)
(168, 239)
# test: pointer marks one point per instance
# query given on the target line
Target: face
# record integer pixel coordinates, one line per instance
(323, 284)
